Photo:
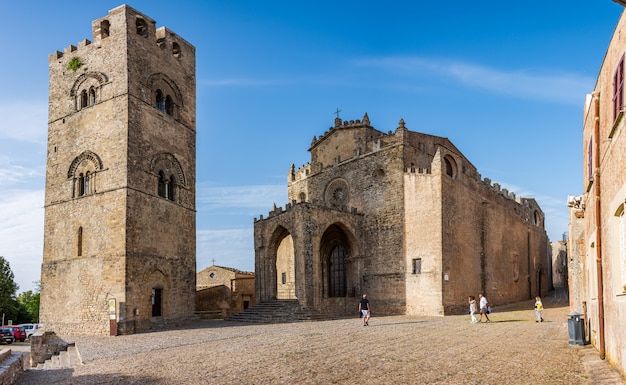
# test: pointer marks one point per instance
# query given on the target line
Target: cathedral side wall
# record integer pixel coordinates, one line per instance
(463, 229)
(423, 244)
(489, 246)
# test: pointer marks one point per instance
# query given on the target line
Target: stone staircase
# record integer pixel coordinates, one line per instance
(277, 311)
(65, 359)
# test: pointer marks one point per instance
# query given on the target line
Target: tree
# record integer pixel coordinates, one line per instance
(29, 304)
(8, 288)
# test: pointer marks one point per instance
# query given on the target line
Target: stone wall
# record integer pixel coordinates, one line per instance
(11, 367)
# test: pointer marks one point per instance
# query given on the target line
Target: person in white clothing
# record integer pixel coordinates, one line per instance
(484, 304)
(473, 308)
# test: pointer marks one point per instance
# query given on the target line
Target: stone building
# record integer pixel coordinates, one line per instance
(559, 265)
(404, 217)
(120, 232)
(600, 280)
(223, 291)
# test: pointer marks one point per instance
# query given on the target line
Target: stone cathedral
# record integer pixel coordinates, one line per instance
(403, 217)
(120, 231)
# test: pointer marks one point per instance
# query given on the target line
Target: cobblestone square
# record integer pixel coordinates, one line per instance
(512, 349)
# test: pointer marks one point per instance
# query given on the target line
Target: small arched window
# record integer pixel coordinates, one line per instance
(161, 186)
(81, 185)
(175, 49)
(170, 188)
(83, 172)
(84, 99)
(142, 27)
(159, 101)
(104, 29)
(92, 96)
(87, 186)
(450, 164)
(169, 105)
(166, 186)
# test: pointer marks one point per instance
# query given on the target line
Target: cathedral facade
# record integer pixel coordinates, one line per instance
(119, 227)
(403, 217)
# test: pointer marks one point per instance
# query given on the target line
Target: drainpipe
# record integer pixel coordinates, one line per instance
(596, 160)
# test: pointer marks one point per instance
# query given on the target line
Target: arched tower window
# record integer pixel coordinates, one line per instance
(175, 49)
(104, 29)
(170, 188)
(170, 179)
(87, 88)
(166, 96)
(169, 105)
(142, 27)
(82, 172)
(166, 186)
(84, 99)
(81, 184)
(92, 96)
(450, 166)
(159, 101)
(87, 183)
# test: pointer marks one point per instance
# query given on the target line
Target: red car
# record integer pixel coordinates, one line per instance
(18, 332)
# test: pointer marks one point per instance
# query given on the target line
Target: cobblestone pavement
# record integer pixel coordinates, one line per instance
(512, 349)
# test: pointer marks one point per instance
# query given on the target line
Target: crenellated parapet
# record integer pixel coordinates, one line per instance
(277, 210)
(343, 125)
(519, 206)
(114, 25)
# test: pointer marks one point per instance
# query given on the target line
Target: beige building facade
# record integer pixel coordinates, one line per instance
(223, 291)
(403, 217)
(599, 210)
(119, 229)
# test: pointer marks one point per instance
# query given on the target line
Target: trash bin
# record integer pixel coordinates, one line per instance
(576, 328)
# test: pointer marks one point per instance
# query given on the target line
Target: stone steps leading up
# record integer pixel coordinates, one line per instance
(65, 359)
(277, 311)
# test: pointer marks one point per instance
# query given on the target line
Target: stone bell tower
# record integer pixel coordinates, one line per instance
(120, 220)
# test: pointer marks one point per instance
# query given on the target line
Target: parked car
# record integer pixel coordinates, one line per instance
(18, 332)
(6, 336)
(30, 329)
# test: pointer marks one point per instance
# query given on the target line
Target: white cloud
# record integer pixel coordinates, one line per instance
(556, 86)
(21, 234)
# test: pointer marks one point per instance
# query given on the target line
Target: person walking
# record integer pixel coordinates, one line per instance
(538, 309)
(473, 308)
(364, 308)
(484, 305)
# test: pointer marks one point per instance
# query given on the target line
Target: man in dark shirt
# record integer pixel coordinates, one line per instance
(364, 308)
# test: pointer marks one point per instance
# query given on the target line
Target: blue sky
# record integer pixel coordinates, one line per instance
(504, 81)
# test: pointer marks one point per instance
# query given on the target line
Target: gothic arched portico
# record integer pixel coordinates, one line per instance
(340, 268)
